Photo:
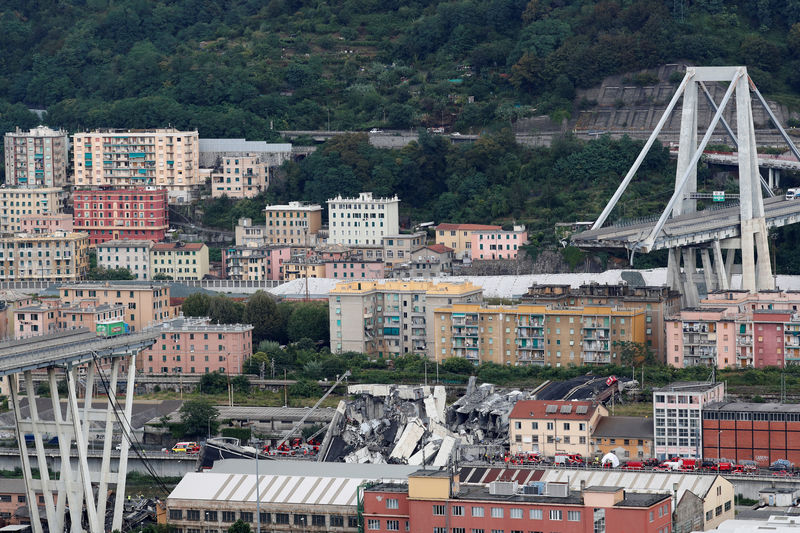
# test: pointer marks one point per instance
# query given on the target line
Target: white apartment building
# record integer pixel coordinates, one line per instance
(165, 158)
(362, 220)
(131, 254)
(242, 176)
(678, 417)
(36, 158)
(19, 202)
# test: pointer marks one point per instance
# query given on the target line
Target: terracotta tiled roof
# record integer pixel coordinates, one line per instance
(439, 248)
(189, 246)
(450, 227)
(553, 409)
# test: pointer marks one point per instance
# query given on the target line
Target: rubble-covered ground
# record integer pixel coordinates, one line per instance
(411, 424)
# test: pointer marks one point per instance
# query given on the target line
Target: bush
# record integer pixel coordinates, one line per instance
(243, 434)
(305, 388)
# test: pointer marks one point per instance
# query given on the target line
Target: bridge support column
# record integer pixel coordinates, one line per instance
(719, 267)
(27, 475)
(708, 271)
(774, 178)
(690, 294)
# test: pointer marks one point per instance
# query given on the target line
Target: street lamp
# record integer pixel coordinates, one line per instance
(209, 427)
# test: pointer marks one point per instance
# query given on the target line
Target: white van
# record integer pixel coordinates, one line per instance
(791, 194)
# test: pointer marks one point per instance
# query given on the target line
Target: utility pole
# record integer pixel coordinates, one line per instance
(285, 391)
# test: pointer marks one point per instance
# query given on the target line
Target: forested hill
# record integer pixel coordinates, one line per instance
(230, 68)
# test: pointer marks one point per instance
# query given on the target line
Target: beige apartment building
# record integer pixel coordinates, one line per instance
(178, 260)
(388, 318)
(165, 158)
(296, 223)
(36, 158)
(17, 203)
(246, 234)
(551, 427)
(459, 237)
(242, 176)
(535, 334)
(145, 305)
(57, 256)
(398, 248)
(131, 254)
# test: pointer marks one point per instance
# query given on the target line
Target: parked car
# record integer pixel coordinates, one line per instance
(781, 465)
(566, 459)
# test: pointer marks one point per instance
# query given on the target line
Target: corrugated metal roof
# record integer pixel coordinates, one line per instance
(241, 145)
(312, 468)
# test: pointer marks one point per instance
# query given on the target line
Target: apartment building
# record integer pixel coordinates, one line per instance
(58, 256)
(36, 319)
(88, 314)
(255, 263)
(434, 260)
(36, 158)
(46, 223)
(242, 176)
(497, 244)
(196, 346)
(536, 334)
(459, 237)
(437, 501)
(164, 158)
(552, 427)
(677, 410)
(18, 202)
(363, 220)
(627, 437)
(387, 318)
(179, 261)
(656, 302)
(131, 254)
(138, 213)
(302, 267)
(145, 305)
(295, 223)
(246, 234)
(398, 248)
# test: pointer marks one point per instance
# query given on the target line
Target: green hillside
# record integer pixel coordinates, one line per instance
(233, 68)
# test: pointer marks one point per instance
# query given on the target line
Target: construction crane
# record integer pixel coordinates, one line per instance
(300, 422)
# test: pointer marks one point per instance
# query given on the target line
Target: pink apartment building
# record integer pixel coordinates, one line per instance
(196, 346)
(349, 268)
(37, 319)
(87, 313)
(497, 243)
(250, 263)
(46, 223)
(701, 336)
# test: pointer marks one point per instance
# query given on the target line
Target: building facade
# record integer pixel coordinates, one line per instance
(246, 234)
(677, 415)
(145, 305)
(46, 223)
(138, 213)
(354, 268)
(536, 334)
(17, 203)
(390, 318)
(164, 158)
(630, 438)
(398, 248)
(179, 261)
(255, 263)
(36, 158)
(432, 261)
(459, 237)
(760, 432)
(196, 346)
(242, 176)
(497, 244)
(553, 427)
(295, 223)
(37, 319)
(131, 254)
(435, 501)
(57, 256)
(362, 220)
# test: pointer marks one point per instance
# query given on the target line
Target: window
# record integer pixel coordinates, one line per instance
(497, 512)
(459, 530)
(300, 520)
(352, 521)
(477, 512)
(718, 510)
(651, 516)
(574, 516)
(566, 426)
(393, 525)
(211, 516)
(728, 506)
(515, 513)
(228, 516)
(176, 514)
(373, 524)
(265, 518)
(193, 515)
(246, 516)
(438, 510)
(556, 514)
(337, 521)
(535, 514)
(440, 530)
(392, 503)
(457, 510)
(318, 520)
(281, 518)
(710, 515)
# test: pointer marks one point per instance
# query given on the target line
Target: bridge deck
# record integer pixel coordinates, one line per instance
(74, 346)
(693, 228)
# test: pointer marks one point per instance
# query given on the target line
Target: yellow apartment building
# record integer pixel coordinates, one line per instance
(178, 260)
(387, 318)
(552, 427)
(56, 256)
(165, 158)
(459, 236)
(16, 202)
(535, 334)
(145, 305)
(293, 223)
(305, 267)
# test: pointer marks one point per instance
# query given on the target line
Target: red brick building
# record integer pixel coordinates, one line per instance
(768, 336)
(760, 432)
(434, 501)
(113, 214)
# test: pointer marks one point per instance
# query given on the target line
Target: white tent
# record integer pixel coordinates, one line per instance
(610, 458)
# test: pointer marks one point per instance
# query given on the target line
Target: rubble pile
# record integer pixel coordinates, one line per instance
(411, 425)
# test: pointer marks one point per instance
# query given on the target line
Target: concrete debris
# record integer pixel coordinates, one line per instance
(412, 425)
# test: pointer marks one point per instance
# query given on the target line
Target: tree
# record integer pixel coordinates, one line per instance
(240, 526)
(223, 310)
(635, 354)
(162, 277)
(199, 417)
(213, 383)
(457, 365)
(196, 304)
(309, 320)
(255, 363)
(261, 312)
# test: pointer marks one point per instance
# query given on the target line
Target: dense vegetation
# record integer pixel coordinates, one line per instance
(233, 68)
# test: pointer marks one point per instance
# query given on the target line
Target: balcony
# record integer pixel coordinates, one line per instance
(530, 357)
(596, 358)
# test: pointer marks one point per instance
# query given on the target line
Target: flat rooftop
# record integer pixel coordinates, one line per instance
(687, 386)
(753, 407)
